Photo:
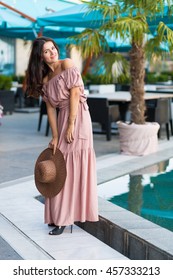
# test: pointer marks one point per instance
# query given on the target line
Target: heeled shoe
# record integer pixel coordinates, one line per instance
(57, 230)
(51, 225)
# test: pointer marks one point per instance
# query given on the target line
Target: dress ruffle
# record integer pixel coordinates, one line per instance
(77, 200)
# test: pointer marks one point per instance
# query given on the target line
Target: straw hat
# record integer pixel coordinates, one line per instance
(50, 172)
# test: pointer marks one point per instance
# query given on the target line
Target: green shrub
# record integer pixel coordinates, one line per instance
(91, 79)
(168, 74)
(163, 78)
(5, 82)
(151, 78)
(19, 78)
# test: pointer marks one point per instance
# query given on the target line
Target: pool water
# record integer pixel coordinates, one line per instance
(147, 192)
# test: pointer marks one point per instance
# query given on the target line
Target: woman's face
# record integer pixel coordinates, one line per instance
(49, 53)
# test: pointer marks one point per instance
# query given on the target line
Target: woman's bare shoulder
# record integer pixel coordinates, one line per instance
(67, 63)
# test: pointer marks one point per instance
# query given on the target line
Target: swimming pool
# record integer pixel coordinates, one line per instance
(147, 192)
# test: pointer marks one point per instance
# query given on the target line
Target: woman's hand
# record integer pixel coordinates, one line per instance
(53, 144)
(70, 133)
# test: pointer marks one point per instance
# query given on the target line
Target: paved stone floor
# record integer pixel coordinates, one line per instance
(7, 252)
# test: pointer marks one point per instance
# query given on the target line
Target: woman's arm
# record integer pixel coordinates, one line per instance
(52, 117)
(74, 102)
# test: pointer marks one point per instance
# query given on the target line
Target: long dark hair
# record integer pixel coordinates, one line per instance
(37, 68)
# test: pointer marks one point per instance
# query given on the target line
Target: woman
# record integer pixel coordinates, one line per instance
(60, 84)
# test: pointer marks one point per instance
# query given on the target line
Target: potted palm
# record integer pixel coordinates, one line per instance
(137, 21)
(6, 94)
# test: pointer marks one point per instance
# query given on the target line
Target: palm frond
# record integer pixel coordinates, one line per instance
(155, 50)
(146, 7)
(133, 28)
(106, 8)
(90, 42)
(165, 34)
(112, 67)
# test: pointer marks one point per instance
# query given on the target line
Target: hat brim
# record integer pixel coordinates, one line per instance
(51, 189)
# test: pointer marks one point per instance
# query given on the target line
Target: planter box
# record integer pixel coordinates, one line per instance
(7, 101)
(138, 139)
(102, 88)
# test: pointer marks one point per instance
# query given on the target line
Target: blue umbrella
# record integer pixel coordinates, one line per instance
(32, 33)
(14, 25)
(77, 16)
(10, 19)
(35, 8)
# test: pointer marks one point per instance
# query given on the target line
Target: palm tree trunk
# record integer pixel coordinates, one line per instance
(137, 71)
(87, 64)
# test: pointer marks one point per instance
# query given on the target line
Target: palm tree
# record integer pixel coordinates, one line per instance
(142, 22)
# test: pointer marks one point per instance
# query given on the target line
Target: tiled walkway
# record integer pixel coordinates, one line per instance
(22, 227)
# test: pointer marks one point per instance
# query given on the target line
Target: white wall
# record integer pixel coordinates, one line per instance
(76, 57)
(22, 55)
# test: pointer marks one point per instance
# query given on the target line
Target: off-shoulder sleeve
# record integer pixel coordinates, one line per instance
(72, 78)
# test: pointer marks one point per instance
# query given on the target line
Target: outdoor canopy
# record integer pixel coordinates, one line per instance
(35, 8)
(79, 16)
(76, 16)
(14, 25)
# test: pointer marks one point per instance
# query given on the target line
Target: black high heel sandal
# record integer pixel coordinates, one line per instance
(59, 230)
(51, 225)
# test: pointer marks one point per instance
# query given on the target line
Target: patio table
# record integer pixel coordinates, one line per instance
(123, 98)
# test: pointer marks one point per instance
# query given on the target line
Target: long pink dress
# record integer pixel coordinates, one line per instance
(78, 200)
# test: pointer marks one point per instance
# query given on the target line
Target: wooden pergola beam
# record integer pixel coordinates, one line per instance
(17, 11)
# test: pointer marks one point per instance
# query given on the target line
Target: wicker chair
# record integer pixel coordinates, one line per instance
(162, 114)
(160, 111)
